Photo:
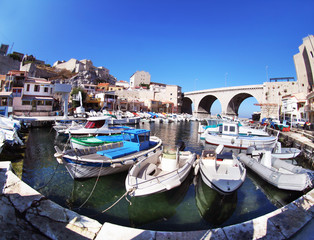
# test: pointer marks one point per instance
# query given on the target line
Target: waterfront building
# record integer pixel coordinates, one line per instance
(139, 78)
(272, 94)
(107, 100)
(123, 84)
(102, 87)
(90, 89)
(304, 65)
(35, 98)
(293, 106)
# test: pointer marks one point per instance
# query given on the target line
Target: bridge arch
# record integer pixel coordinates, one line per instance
(230, 99)
(235, 102)
(187, 105)
(205, 104)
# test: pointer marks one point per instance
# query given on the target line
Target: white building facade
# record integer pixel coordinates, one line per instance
(138, 78)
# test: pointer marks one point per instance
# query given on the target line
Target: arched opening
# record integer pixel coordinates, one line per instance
(243, 105)
(209, 105)
(186, 105)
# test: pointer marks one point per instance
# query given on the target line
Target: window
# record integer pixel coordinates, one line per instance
(225, 128)
(41, 102)
(36, 88)
(26, 102)
(27, 87)
(48, 103)
(45, 89)
(232, 128)
(17, 92)
(4, 102)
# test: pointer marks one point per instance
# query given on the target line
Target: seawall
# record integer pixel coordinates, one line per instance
(26, 214)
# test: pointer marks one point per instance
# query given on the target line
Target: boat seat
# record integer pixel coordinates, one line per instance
(117, 152)
(225, 155)
(147, 171)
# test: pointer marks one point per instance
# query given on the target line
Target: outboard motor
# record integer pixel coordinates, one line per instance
(250, 150)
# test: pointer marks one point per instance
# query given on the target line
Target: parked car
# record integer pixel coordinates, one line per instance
(296, 122)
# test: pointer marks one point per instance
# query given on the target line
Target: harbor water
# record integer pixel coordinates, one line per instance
(192, 206)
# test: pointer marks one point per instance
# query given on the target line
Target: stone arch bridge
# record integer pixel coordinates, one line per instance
(230, 99)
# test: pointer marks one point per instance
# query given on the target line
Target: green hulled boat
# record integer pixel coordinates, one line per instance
(83, 142)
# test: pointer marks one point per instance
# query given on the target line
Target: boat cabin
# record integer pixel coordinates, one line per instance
(134, 140)
(137, 138)
(229, 129)
(96, 122)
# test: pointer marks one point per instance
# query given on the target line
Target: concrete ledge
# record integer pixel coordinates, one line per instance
(25, 212)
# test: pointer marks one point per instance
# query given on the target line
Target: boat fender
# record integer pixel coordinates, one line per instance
(232, 141)
(128, 162)
(196, 169)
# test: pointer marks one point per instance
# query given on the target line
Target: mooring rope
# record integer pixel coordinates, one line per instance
(91, 193)
(124, 195)
(50, 178)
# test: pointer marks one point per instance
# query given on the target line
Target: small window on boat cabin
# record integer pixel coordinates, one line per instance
(142, 137)
(232, 129)
(225, 128)
(130, 137)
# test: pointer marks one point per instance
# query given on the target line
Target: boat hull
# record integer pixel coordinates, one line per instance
(149, 184)
(241, 142)
(280, 174)
(86, 163)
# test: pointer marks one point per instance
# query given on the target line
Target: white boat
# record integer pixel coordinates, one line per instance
(110, 158)
(285, 153)
(96, 126)
(221, 171)
(11, 136)
(230, 137)
(61, 125)
(216, 125)
(2, 141)
(120, 118)
(159, 173)
(279, 173)
(9, 123)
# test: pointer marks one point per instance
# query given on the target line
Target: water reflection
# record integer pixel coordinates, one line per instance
(189, 207)
(276, 196)
(148, 209)
(214, 207)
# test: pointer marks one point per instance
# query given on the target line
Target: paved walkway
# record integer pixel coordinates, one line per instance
(26, 214)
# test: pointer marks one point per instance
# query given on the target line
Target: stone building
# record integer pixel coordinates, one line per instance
(138, 78)
(273, 91)
(304, 65)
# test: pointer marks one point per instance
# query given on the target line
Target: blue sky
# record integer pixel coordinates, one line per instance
(198, 44)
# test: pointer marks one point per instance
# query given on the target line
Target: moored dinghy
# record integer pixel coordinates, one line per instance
(285, 153)
(84, 142)
(110, 158)
(221, 171)
(160, 173)
(277, 172)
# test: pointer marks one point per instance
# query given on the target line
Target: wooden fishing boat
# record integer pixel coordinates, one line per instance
(110, 158)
